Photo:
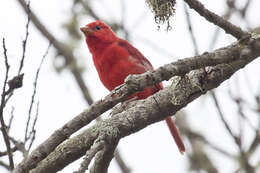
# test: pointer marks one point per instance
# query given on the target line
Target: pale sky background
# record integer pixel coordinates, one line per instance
(152, 149)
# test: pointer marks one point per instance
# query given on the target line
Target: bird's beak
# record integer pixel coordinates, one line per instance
(86, 30)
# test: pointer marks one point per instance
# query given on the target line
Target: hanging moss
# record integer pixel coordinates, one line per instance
(163, 10)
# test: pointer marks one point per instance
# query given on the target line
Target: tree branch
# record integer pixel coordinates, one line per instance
(3, 164)
(145, 112)
(90, 154)
(223, 120)
(2, 105)
(217, 20)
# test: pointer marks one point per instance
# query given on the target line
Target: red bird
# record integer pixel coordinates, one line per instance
(115, 59)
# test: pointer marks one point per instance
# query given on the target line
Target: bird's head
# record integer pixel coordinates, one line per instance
(98, 33)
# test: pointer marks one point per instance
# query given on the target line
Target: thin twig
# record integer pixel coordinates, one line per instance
(244, 10)
(194, 136)
(124, 20)
(193, 39)
(220, 150)
(239, 102)
(3, 125)
(20, 145)
(3, 164)
(7, 66)
(32, 134)
(4, 153)
(89, 9)
(25, 40)
(213, 41)
(10, 120)
(236, 139)
(254, 144)
(217, 20)
(152, 45)
(23, 50)
(63, 50)
(26, 136)
(121, 162)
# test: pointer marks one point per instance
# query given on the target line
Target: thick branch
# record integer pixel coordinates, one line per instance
(133, 84)
(146, 112)
(183, 91)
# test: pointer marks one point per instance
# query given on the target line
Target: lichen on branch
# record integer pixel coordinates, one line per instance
(163, 10)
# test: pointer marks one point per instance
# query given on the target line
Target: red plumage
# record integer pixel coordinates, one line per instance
(115, 59)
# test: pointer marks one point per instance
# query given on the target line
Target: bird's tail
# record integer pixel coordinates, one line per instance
(175, 134)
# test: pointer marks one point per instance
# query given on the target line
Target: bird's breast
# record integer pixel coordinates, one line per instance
(114, 65)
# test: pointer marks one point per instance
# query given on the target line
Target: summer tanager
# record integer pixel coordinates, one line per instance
(115, 59)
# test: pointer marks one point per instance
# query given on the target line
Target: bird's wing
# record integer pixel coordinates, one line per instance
(135, 54)
(138, 56)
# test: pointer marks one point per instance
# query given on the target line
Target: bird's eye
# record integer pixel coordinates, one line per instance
(98, 27)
